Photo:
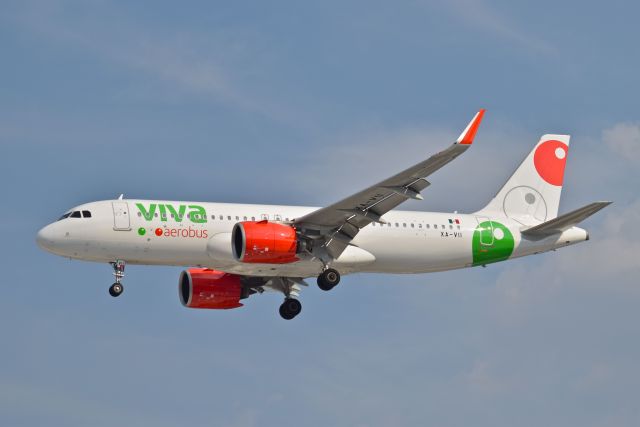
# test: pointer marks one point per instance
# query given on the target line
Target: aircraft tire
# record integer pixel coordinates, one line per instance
(290, 308)
(116, 290)
(328, 279)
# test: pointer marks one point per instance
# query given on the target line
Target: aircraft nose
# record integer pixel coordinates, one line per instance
(45, 238)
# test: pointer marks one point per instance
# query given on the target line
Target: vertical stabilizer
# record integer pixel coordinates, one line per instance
(532, 194)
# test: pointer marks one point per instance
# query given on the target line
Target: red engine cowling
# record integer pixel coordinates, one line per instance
(204, 288)
(264, 242)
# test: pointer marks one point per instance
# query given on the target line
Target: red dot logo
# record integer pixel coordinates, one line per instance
(549, 159)
(158, 232)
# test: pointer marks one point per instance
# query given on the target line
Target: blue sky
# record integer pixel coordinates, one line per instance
(303, 103)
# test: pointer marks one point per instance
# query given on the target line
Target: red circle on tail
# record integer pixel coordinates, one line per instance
(158, 232)
(549, 160)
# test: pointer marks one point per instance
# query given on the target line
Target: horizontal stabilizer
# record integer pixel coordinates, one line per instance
(564, 222)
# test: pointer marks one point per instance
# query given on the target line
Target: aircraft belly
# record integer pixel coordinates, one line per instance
(417, 252)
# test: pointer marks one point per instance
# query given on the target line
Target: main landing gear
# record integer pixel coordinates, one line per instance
(116, 289)
(328, 279)
(290, 308)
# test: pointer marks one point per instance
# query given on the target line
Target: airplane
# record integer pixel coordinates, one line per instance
(234, 251)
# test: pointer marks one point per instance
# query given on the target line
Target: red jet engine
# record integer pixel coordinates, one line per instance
(205, 288)
(264, 242)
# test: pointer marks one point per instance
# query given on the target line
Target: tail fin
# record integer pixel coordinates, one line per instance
(532, 194)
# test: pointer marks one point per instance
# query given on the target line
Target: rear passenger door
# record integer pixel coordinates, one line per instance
(485, 227)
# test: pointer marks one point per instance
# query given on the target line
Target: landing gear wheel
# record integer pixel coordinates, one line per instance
(118, 272)
(116, 290)
(290, 308)
(328, 279)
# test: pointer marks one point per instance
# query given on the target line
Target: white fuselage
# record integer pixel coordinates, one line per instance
(199, 234)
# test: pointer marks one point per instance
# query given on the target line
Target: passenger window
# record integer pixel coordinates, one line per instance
(412, 225)
(397, 225)
(404, 224)
(221, 217)
(237, 218)
(442, 226)
(253, 218)
(419, 225)
(213, 217)
(139, 213)
(86, 214)
(458, 227)
(229, 217)
(75, 214)
(450, 227)
(435, 226)
(245, 218)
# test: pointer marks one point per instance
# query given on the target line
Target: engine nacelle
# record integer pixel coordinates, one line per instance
(205, 288)
(264, 242)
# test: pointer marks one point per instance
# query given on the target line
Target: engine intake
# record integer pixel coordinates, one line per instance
(205, 288)
(264, 242)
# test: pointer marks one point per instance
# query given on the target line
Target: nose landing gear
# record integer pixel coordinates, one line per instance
(116, 289)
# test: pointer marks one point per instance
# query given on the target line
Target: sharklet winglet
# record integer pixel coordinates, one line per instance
(467, 136)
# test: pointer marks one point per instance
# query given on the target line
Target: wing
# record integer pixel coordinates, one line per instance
(336, 225)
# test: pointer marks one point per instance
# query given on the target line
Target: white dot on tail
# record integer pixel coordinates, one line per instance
(560, 153)
(498, 233)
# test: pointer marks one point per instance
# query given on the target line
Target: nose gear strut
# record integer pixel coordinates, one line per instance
(116, 289)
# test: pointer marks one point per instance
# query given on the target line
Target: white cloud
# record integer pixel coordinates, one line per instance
(212, 67)
(482, 379)
(342, 164)
(624, 140)
(608, 261)
(478, 14)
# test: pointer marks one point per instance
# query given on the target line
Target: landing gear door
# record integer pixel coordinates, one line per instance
(121, 215)
(485, 226)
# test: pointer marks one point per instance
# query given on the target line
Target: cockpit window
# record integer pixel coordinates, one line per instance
(76, 214)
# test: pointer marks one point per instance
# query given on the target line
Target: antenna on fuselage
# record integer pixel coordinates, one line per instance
(120, 197)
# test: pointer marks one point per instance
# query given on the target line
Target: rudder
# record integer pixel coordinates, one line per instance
(532, 193)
